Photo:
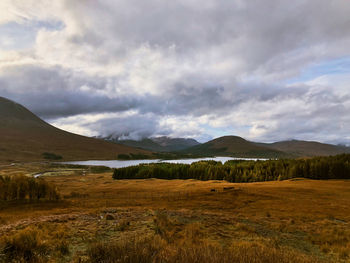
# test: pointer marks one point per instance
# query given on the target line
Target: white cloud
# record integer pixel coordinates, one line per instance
(184, 68)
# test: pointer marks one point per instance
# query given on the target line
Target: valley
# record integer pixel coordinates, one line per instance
(56, 207)
(174, 131)
(301, 220)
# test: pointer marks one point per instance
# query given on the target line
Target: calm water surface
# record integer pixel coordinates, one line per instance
(120, 164)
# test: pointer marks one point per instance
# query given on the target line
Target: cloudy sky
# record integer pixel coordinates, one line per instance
(264, 70)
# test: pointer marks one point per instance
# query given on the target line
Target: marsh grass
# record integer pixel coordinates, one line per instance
(34, 244)
(333, 239)
(183, 221)
(171, 244)
(122, 225)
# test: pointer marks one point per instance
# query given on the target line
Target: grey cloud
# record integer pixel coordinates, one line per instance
(255, 32)
(212, 57)
(55, 92)
(325, 120)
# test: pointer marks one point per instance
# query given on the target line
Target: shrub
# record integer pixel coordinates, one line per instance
(63, 247)
(99, 169)
(51, 156)
(26, 188)
(123, 156)
(25, 246)
(34, 244)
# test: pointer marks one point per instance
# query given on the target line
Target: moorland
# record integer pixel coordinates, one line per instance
(99, 219)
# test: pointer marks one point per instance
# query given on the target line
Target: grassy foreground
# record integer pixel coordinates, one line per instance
(99, 219)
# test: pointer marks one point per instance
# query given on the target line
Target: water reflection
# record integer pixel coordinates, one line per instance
(120, 164)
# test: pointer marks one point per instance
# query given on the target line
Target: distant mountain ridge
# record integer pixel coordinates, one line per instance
(306, 148)
(234, 146)
(159, 144)
(26, 137)
(239, 147)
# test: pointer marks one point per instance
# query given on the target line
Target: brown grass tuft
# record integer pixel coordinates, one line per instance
(34, 244)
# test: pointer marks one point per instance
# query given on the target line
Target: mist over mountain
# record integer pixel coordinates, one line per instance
(158, 144)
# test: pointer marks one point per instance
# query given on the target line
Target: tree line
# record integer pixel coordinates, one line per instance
(332, 167)
(26, 188)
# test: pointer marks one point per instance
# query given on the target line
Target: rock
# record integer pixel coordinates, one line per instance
(109, 217)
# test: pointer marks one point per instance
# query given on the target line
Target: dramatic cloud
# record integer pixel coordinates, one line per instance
(263, 70)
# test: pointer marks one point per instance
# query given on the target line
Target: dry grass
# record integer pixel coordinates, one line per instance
(156, 249)
(183, 221)
(35, 244)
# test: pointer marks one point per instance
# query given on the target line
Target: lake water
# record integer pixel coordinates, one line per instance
(121, 164)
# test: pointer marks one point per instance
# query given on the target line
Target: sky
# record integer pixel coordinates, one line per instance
(264, 70)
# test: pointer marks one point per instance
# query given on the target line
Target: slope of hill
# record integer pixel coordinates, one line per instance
(160, 144)
(146, 144)
(25, 137)
(306, 148)
(234, 146)
(175, 144)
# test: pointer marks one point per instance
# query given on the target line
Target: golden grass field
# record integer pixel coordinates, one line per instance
(180, 220)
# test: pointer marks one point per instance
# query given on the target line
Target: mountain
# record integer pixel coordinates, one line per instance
(307, 148)
(234, 146)
(26, 137)
(175, 144)
(146, 144)
(159, 144)
(239, 147)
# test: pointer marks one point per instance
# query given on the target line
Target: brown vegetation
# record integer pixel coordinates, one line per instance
(34, 244)
(15, 188)
(188, 244)
(180, 221)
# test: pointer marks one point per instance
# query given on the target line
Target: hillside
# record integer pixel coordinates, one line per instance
(175, 144)
(160, 144)
(25, 137)
(234, 146)
(239, 147)
(306, 148)
(147, 144)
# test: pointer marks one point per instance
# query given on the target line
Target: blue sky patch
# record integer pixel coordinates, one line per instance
(17, 36)
(328, 67)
